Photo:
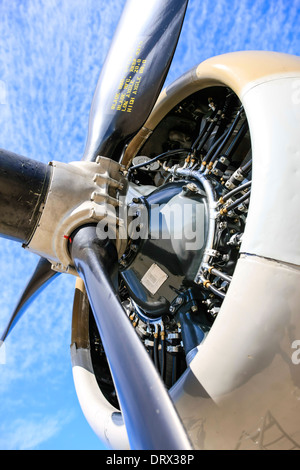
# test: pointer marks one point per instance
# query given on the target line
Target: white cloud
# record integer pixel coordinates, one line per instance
(213, 28)
(28, 434)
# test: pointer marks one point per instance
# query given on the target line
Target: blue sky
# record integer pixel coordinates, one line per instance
(50, 57)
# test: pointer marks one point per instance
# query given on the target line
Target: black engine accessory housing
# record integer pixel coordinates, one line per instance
(167, 255)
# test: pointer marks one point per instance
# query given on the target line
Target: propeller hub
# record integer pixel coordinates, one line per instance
(80, 193)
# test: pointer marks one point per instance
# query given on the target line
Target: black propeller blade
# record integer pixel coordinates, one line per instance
(41, 277)
(133, 73)
(23, 188)
(150, 418)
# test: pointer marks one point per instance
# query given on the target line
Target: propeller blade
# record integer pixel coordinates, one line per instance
(149, 415)
(41, 277)
(133, 73)
(23, 188)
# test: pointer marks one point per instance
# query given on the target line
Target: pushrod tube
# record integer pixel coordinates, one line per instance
(212, 202)
(149, 415)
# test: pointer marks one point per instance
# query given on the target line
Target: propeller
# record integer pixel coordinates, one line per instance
(149, 415)
(41, 277)
(24, 184)
(133, 74)
(128, 87)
